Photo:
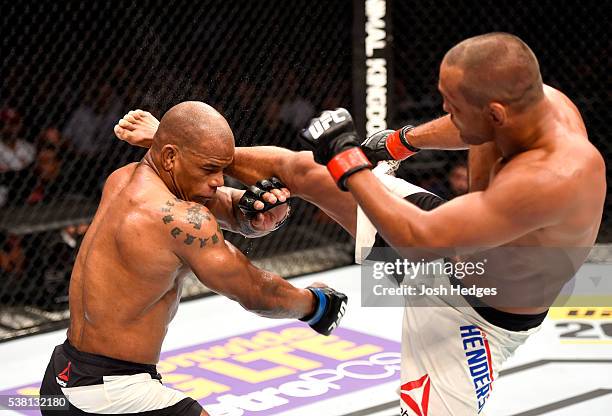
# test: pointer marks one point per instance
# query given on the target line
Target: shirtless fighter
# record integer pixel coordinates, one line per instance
(529, 160)
(157, 220)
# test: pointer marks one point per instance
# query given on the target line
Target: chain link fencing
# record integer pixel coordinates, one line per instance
(70, 70)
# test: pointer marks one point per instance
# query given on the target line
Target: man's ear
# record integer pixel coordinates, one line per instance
(497, 114)
(169, 154)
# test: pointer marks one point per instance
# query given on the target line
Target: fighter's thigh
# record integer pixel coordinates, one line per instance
(312, 182)
(451, 356)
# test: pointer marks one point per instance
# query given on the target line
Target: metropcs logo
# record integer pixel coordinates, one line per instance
(273, 370)
(270, 371)
(478, 354)
(377, 367)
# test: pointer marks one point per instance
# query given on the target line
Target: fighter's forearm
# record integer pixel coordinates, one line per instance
(440, 134)
(277, 298)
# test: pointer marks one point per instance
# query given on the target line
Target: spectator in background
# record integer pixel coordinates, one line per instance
(16, 154)
(271, 111)
(50, 254)
(50, 136)
(450, 184)
(11, 255)
(11, 268)
(89, 134)
(247, 114)
(35, 268)
(333, 98)
(45, 182)
(58, 253)
(457, 180)
(89, 129)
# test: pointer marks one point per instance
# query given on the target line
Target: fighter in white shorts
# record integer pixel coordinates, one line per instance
(528, 147)
(533, 156)
(451, 353)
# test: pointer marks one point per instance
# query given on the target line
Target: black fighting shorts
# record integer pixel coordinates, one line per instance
(97, 385)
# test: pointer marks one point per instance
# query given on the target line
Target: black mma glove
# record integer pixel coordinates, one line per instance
(389, 145)
(335, 143)
(329, 309)
(255, 193)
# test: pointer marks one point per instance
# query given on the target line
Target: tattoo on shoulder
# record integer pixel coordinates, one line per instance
(189, 239)
(195, 217)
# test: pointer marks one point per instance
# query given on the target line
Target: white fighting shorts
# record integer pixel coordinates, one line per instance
(451, 355)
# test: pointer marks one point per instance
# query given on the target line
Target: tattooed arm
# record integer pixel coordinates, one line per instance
(224, 207)
(225, 270)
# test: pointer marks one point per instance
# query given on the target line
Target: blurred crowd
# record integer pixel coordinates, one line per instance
(43, 162)
(35, 267)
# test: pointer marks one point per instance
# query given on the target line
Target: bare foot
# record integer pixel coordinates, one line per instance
(137, 128)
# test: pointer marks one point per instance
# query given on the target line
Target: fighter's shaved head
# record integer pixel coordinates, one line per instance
(497, 67)
(191, 147)
(194, 126)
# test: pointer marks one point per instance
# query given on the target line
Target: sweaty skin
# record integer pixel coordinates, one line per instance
(149, 232)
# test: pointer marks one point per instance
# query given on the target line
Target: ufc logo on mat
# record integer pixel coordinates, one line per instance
(323, 123)
(341, 313)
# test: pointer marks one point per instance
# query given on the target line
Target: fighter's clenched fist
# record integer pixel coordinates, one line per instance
(335, 143)
(329, 310)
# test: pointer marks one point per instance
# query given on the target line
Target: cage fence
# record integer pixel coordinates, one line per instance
(70, 70)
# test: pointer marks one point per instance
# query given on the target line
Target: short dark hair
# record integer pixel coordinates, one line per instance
(497, 67)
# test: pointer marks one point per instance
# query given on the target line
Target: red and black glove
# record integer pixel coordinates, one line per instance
(335, 143)
(389, 145)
